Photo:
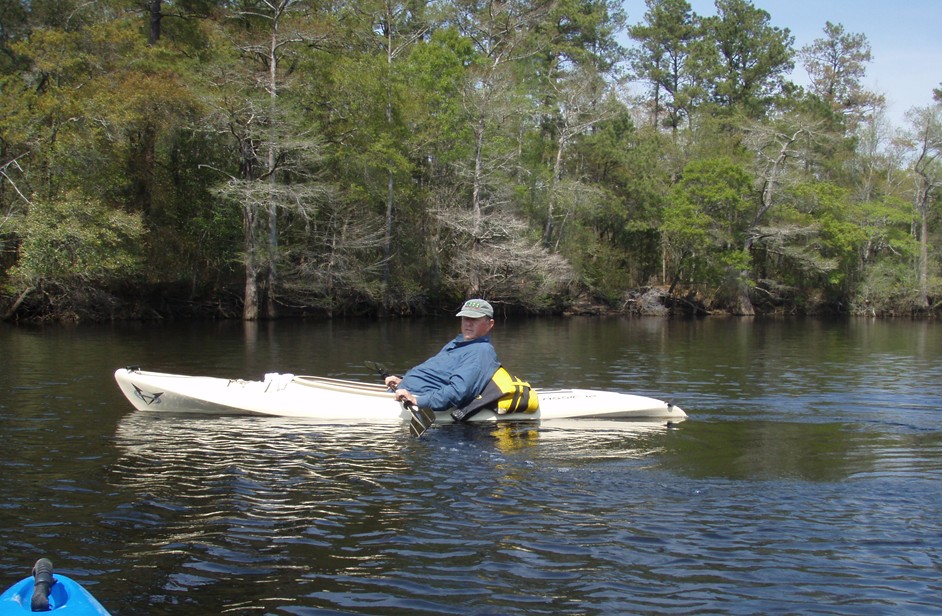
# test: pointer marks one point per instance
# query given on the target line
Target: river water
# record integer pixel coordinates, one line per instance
(808, 479)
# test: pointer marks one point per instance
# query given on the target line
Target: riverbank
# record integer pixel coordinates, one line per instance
(96, 305)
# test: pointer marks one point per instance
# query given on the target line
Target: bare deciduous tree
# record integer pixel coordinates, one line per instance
(926, 139)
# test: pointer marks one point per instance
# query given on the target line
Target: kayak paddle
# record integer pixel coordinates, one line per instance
(422, 419)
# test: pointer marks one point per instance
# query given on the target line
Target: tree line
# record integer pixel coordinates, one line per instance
(261, 158)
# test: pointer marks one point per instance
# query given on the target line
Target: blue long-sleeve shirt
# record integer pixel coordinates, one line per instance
(454, 376)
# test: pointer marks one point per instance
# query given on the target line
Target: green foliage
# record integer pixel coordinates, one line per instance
(836, 65)
(739, 60)
(632, 183)
(584, 32)
(841, 238)
(736, 260)
(706, 221)
(74, 239)
(665, 45)
(385, 155)
(432, 78)
(719, 192)
(605, 268)
(888, 288)
(887, 224)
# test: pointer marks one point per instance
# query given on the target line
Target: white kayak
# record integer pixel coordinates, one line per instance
(343, 401)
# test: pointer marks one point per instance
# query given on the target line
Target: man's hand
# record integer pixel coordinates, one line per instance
(403, 395)
(392, 382)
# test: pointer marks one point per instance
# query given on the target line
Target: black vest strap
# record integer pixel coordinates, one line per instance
(487, 399)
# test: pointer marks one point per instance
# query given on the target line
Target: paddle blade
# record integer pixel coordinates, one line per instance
(416, 428)
(377, 368)
(422, 420)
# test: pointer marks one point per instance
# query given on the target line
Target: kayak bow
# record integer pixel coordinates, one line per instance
(45, 591)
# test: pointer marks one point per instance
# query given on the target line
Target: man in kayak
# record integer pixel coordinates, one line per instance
(460, 371)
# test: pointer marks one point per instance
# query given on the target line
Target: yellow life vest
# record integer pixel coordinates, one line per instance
(516, 395)
(503, 394)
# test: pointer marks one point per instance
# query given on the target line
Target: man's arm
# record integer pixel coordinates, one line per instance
(467, 380)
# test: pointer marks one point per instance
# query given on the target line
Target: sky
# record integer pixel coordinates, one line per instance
(905, 39)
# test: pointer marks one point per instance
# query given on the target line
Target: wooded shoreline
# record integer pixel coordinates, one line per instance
(259, 160)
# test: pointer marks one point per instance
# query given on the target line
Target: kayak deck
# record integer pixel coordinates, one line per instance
(340, 400)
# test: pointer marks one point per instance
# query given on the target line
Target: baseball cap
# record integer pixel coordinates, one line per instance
(476, 308)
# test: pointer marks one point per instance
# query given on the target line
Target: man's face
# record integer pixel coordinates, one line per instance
(475, 328)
